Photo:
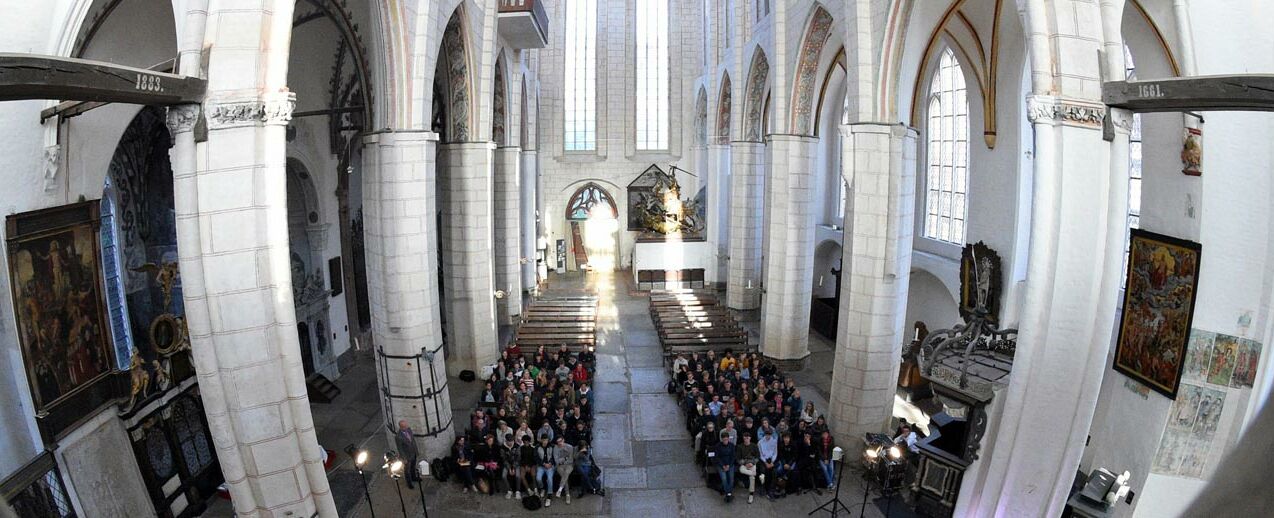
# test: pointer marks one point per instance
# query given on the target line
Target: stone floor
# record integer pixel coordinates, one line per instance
(640, 437)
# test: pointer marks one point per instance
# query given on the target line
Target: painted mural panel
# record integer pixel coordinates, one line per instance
(1187, 441)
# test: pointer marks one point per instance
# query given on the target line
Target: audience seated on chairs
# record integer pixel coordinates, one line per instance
(742, 407)
(531, 428)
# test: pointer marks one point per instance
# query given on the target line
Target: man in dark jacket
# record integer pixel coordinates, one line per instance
(787, 474)
(512, 466)
(406, 441)
(724, 461)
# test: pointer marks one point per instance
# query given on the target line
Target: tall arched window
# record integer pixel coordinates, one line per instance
(1134, 151)
(580, 76)
(652, 75)
(947, 141)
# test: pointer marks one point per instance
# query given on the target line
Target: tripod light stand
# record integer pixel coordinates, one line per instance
(394, 466)
(835, 505)
(360, 460)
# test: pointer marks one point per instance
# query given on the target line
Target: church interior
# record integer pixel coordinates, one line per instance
(358, 258)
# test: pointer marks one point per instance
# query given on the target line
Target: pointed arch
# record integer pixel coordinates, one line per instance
(838, 61)
(723, 110)
(756, 96)
(701, 118)
(499, 104)
(457, 85)
(816, 35)
(586, 201)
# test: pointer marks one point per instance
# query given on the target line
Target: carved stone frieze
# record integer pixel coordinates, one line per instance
(274, 109)
(1074, 112)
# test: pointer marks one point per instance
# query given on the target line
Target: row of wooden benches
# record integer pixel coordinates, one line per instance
(694, 321)
(553, 322)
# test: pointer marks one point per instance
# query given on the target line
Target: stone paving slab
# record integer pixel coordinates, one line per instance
(656, 418)
(612, 440)
(649, 381)
(644, 503)
(642, 338)
(645, 357)
(625, 478)
(611, 398)
(609, 374)
(669, 452)
(674, 476)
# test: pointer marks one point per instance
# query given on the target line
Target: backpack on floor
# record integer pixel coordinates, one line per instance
(440, 469)
(672, 387)
(531, 502)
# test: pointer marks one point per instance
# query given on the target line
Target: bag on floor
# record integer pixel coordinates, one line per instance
(440, 469)
(531, 502)
(672, 387)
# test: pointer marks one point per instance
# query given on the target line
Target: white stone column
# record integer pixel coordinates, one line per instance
(529, 186)
(508, 232)
(747, 178)
(1068, 308)
(717, 176)
(230, 199)
(465, 170)
(879, 160)
(789, 202)
(402, 280)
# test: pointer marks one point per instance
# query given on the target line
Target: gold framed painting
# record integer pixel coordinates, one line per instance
(55, 274)
(1159, 297)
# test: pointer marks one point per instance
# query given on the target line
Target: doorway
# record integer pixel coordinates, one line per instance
(594, 227)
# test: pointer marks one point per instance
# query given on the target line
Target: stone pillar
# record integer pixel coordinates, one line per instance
(789, 259)
(465, 171)
(529, 186)
(402, 281)
(508, 232)
(879, 160)
(747, 178)
(718, 177)
(1068, 307)
(230, 199)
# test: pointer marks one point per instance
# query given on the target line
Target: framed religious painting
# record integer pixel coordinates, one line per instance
(55, 274)
(1163, 280)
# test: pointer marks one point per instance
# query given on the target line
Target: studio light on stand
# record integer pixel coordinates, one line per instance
(394, 467)
(835, 505)
(360, 459)
(423, 470)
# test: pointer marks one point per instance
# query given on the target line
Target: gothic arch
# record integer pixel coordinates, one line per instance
(756, 95)
(351, 48)
(586, 199)
(723, 110)
(816, 35)
(499, 104)
(454, 80)
(837, 62)
(701, 118)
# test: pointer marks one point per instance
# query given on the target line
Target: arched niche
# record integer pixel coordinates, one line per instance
(592, 219)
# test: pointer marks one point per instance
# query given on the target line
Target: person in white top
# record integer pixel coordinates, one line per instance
(906, 435)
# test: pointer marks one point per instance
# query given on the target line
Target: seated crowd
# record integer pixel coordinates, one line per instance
(747, 418)
(532, 427)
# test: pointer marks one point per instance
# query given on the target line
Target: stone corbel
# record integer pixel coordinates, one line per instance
(1065, 111)
(52, 159)
(182, 118)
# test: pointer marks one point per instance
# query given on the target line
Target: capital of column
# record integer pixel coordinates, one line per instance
(1121, 120)
(390, 136)
(182, 118)
(273, 109)
(1049, 109)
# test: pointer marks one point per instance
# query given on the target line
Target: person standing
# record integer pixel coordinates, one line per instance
(769, 450)
(406, 441)
(725, 466)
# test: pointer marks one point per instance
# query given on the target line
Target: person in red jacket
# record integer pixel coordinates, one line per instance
(580, 374)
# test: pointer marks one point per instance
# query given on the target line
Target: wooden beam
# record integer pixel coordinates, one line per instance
(31, 76)
(1199, 93)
